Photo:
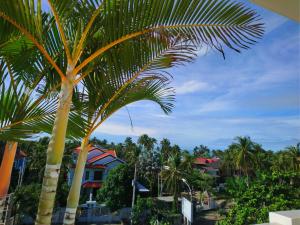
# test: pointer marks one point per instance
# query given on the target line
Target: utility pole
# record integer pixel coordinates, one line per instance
(133, 190)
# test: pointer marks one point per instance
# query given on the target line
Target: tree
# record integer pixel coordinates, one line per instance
(201, 151)
(117, 188)
(175, 170)
(99, 104)
(132, 152)
(165, 149)
(244, 157)
(60, 40)
(148, 160)
(294, 155)
(268, 192)
(21, 117)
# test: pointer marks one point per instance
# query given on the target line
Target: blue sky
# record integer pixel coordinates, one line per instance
(255, 93)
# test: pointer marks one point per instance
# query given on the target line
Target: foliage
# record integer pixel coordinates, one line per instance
(200, 181)
(244, 158)
(268, 192)
(26, 199)
(176, 168)
(117, 189)
(142, 211)
(201, 151)
(149, 161)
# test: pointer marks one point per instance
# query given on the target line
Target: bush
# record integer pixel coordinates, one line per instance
(117, 189)
(268, 192)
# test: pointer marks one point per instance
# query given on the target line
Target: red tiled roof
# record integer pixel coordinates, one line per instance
(92, 148)
(111, 152)
(204, 161)
(91, 184)
(98, 157)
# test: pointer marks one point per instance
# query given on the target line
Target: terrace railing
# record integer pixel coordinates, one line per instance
(6, 204)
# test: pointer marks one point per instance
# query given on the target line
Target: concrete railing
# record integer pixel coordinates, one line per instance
(291, 217)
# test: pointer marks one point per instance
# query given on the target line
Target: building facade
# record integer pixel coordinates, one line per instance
(99, 163)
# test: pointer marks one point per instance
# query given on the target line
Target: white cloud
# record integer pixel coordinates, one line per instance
(125, 130)
(192, 86)
(216, 105)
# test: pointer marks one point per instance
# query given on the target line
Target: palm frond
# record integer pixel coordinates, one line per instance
(215, 23)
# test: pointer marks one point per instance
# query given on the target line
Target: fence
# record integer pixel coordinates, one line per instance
(6, 204)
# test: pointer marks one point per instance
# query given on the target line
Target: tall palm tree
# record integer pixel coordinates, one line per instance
(172, 175)
(244, 158)
(293, 153)
(151, 88)
(122, 88)
(178, 166)
(165, 149)
(60, 39)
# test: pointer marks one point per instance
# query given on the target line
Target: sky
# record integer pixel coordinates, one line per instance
(255, 93)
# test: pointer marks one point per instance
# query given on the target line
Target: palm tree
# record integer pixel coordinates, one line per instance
(244, 158)
(293, 155)
(147, 142)
(172, 176)
(61, 41)
(21, 117)
(99, 104)
(165, 149)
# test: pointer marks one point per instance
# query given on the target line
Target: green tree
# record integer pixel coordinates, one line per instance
(100, 103)
(201, 151)
(172, 175)
(294, 155)
(21, 117)
(165, 149)
(117, 189)
(268, 192)
(132, 152)
(149, 161)
(244, 158)
(142, 211)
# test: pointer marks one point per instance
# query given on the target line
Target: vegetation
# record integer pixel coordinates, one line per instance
(268, 187)
(66, 69)
(117, 188)
(266, 193)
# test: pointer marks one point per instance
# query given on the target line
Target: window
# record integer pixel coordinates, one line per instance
(98, 175)
(87, 175)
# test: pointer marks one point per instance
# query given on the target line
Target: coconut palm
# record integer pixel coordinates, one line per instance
(244, 158)
(122, 88)
(62, 41)
(21, 117)
(293, 153)
(172, 175)
(228, 165)
(104, 104)
(165, 149)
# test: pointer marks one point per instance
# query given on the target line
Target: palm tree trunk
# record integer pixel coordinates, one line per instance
(55, 154)
(74, 193)
(6, 166)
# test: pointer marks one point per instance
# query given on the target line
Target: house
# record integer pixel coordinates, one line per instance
(99, 162)
(209, 166)
(20, 164)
